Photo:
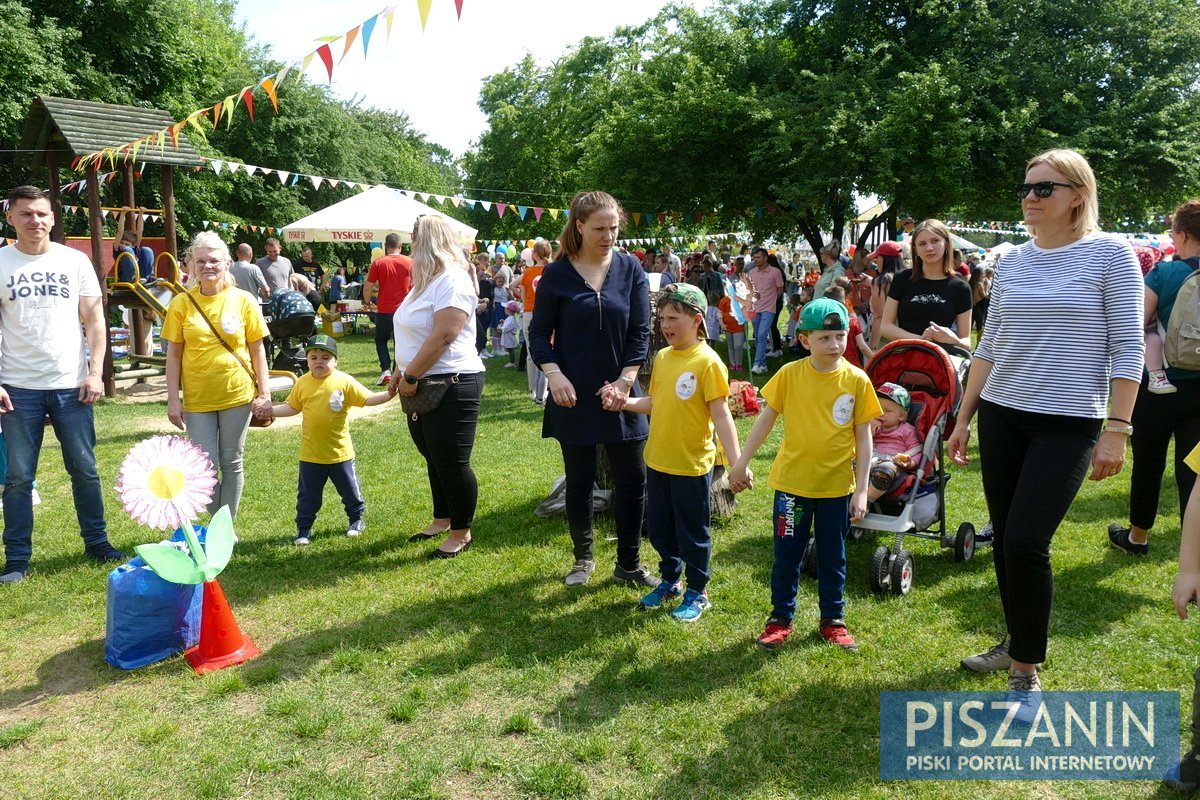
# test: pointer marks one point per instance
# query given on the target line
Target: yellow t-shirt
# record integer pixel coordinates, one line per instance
(820, 411)
(681, 430)
(210, 377)
(326, 404)
(1193, 461)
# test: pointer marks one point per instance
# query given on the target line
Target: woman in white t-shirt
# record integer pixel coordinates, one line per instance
(435, 340)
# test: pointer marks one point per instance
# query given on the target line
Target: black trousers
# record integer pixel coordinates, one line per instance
(1033, 466)
(1156, 419)
(629, 497)
(384, 333)
(445, 438)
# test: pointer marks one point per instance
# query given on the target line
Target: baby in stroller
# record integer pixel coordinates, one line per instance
(897, 447)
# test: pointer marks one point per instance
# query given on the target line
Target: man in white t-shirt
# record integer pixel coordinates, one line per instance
(51, 318)
(276, 269)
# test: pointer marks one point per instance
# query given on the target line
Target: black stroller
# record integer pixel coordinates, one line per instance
(291, 320)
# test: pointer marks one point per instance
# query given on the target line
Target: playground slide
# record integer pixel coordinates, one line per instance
(144, 293)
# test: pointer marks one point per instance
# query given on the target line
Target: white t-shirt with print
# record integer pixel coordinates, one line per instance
(44, 342)
(413, 322)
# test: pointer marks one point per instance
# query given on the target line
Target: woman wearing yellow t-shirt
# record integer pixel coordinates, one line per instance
(219, 394)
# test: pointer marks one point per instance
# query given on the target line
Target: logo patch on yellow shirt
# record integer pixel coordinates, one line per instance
(685, 385)
(843, 409)
(231, 322)
(337, 400)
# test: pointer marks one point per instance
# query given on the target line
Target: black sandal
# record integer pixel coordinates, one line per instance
(424, 536)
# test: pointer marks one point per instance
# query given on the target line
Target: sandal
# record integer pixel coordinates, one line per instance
(426, 535)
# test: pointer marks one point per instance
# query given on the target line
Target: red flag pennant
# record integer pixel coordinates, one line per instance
(216, 109)
(458, 5)
(248, 99)
(327, 59)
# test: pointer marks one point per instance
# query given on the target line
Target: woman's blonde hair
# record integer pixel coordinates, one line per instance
(541, 249)
(435, 249)
(583, 205)
(207, 240)
(1085, 217)
(938, 229)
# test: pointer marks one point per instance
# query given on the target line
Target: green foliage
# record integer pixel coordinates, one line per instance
(796, 106)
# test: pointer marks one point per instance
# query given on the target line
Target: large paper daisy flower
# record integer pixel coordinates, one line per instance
(166, 482)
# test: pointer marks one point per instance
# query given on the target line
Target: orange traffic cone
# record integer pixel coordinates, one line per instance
(221, 641)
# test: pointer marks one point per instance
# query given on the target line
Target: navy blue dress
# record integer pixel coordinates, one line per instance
(595, 336)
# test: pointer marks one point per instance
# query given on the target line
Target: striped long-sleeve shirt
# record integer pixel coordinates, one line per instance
(1062, 323)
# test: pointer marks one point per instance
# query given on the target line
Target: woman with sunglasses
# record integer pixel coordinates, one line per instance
(1043, 405)
(929, 301)
(590, 335)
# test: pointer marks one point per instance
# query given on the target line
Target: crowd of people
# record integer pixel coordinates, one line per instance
(579, 323)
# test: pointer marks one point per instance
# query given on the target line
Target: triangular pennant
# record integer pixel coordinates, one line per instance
(216, 111)
(307, 60)
(282, 74)
(283, 176)
(522, 211)
(500, 208)
(216, 164)
(269, 87)
(458, 6)
(553, 213)
(175, 129)
(295, 179)
(316, 181)
(334, 182)
(368, 28)
(423, 7)
(537, 213)
(327, 59)
(637, 218)
(456, 201)
(486, 205)
(228, 103)
(391, 12)
(248, 99)
(249, 169)
(351, 35)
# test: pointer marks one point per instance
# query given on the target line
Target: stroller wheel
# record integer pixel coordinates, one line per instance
(856, 534)
(964, 543)
(879, 569)
(809, 565)
(902, 573)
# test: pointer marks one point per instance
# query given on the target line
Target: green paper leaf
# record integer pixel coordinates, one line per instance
(218, 542)
(170, 564)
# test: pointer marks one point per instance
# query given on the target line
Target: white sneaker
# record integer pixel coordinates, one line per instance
(37, 498)
(384, 377)
(300, 540)
(356, 528)
(1158, 383)
(486, 353)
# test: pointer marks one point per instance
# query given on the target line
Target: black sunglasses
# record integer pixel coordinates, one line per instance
(1040, 189)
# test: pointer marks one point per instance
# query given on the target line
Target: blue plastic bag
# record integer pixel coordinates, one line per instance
(148, 618)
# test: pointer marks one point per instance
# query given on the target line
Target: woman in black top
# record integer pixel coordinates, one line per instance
(929, 301)
(590, 334)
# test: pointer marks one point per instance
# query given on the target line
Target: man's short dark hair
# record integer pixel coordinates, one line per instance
(27, 192)
(391, 241)
(758, 250)
(273, 241)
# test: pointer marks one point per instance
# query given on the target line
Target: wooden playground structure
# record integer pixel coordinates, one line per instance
(58, 131)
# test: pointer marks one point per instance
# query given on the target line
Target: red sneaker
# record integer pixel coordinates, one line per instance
(776, 633)
(834, 631)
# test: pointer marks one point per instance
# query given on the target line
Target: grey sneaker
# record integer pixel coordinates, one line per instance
(356, 528)
(301, 538)
(639, 576)
(1023, 681)
(992, 660)
(13, 576)
(581, 572)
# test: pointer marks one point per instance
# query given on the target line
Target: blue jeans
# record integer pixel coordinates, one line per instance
(24, 427)
(796, 518)
(763, 324)
(679, 521)
(310, 490)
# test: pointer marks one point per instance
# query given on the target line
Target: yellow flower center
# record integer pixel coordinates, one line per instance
(166, 483)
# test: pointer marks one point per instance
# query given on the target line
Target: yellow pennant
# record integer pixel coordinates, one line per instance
(553, 212)
(268, 86)
(423, 7)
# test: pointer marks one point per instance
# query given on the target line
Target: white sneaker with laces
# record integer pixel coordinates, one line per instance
(356, 528)
(1158, 383)
(384, 377)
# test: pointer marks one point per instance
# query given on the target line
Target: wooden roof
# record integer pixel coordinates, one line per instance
(81, 127)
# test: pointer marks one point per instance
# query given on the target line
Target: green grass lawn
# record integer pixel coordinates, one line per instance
(385, 674)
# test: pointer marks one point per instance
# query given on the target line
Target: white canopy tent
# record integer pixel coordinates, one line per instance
(369, 217)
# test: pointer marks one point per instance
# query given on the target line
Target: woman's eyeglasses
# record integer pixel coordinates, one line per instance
(1040, 189)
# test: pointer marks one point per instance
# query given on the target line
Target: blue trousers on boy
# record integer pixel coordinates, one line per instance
(679, 521)
(797, 518)
(311, 488)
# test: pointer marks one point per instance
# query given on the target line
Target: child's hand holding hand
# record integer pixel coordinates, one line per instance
(1186, 591)
(612, 398)
(740, 478)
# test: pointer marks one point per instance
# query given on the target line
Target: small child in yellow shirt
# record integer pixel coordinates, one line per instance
(325, 395)
(689, 391)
